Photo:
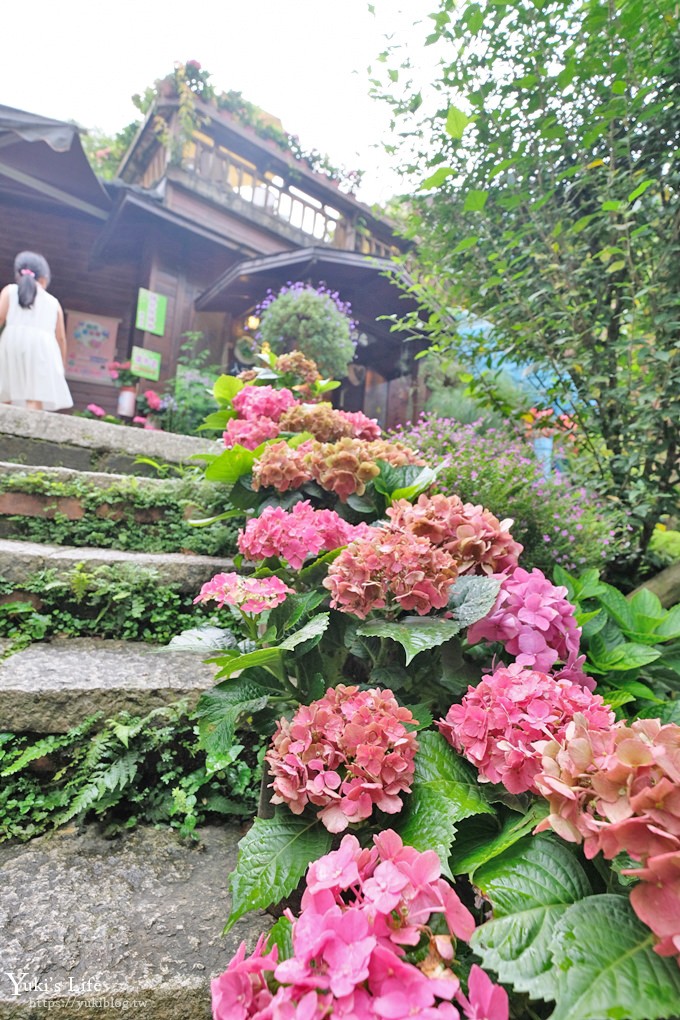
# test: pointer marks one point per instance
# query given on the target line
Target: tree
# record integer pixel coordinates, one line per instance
(551, 210)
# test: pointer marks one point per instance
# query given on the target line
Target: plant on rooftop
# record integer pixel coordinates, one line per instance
(375, 605)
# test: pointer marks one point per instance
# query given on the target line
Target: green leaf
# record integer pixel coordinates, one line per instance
(467, 858)
(403, 482)
(615, 699)
(273, 856)
(219, 710)
(421, 482)
(281, 935)
(203, 522)
(605, 965)
(217, 421)
(638, 690)
(414, 633)
(444, 791)
(225, 389)
(465, 245)
(436, 179)
(313, 629)
(232, 662)
(456, 122)
(640, 190)
(617, 605)
(626, 656)
(290, 612)
(472, 598)
(231, 465)
(475, 200)
(669, 627)
(530, 887)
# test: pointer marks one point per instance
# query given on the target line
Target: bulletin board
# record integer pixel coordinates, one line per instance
(90, 346)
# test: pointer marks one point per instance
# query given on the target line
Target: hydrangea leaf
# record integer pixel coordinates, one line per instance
(473, 849)
(444, 791)
(233, 662)
(225, 389)
(472, 598)
(220, 709)
(273, 856)
(281, 936)
(231, 465)
(414, 633)
(530, 887)
(311, 632)
(605, 965)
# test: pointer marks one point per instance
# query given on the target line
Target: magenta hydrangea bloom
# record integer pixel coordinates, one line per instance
(346, 753)
(251, 432)
(249, 594)
(242, 991)
(360, 908)
(533, 621)
(294, 535)
(389, 568)
(262, 402)
(499, 723)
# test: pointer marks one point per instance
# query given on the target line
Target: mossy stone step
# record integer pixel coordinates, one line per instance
(19, 560)
(52, 686)
(90, 926)
(41, 437)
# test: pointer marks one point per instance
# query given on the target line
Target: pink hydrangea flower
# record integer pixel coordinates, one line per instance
(242, 990)
(139, 419)
(153, 400)
(364, 427)
(262, 402)
(249, 594)
(282, 467)
(346, 753)
(390, 568)
(477, 541)
(498, 724)
(96, 409)
(250, 433)
(485, 1000)
(533, 620)
(294, 535)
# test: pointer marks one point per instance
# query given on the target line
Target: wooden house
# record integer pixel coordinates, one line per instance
(208, 214)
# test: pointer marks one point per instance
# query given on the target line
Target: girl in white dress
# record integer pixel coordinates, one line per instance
(33, 342)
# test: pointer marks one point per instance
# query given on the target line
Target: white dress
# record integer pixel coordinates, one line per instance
(30, 360)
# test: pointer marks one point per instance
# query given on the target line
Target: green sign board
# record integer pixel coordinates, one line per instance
(146, 364)
(151, 312)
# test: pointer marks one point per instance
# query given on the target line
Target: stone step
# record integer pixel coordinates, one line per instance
(129, 927)
(52, 686)
(40, 437)
(18, 560)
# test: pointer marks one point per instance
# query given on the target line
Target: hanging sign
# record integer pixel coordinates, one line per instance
(146, 364)
(151, 311)
(90, 346)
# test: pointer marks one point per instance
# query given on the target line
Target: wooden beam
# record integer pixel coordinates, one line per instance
(52, 192)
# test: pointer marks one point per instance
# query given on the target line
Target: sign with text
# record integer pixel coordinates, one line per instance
(90, 346)
(151, 311)
(146, 364)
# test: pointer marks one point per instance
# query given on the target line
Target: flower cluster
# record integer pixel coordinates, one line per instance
(359, 910)
(347, 466)
(322, 420)
(296, 534)
(249, 594)
(296, 364)
(390, 568)
(346, 753)
(618, 790)
(363, 427)
(282, 467)
(262, 402)
(477, 540)
(121, 373)
(501, 724)
(249, 432)
(534, 622)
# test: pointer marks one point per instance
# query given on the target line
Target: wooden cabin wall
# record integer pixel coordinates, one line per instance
(66, 237)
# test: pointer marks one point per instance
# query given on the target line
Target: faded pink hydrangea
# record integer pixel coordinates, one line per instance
(249, 594)
(364, 427)
(282, 467)
(262, 402)
(346, 753)
(360, 908)
(618, 791)
(242, 991)
(153, 399)
(250, 433)
(96, 410)
(390, 569)
(478, 541)
(499, 722)
(533, 621)
(294, 535)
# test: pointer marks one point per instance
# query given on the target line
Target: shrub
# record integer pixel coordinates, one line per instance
(556, 522)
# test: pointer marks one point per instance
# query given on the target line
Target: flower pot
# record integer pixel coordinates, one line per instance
(127, 401)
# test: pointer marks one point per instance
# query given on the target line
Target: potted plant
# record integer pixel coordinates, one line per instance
(126, 380)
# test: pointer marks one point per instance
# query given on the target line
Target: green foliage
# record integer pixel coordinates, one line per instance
(550, 213)
(632, 645)
(126, 771)
(309, 321)
(273, 857)
(119, 601)
(123, 515)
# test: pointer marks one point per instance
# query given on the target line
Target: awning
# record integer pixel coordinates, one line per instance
(46, 156)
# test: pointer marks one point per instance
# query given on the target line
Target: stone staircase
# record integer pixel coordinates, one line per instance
(91, 926)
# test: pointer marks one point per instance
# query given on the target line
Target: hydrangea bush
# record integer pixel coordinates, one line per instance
(430, 884)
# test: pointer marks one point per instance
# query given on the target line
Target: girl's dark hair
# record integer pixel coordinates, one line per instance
(29, 267)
